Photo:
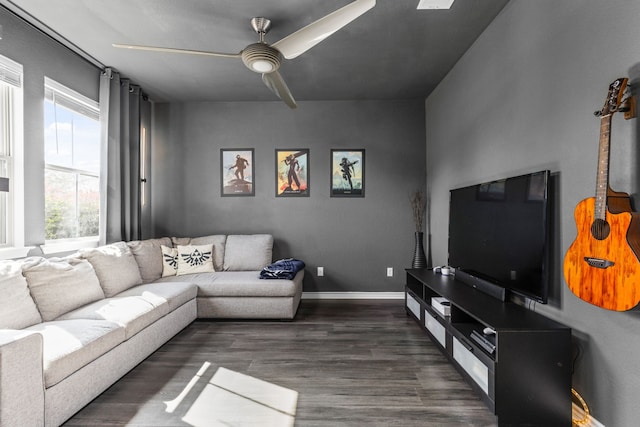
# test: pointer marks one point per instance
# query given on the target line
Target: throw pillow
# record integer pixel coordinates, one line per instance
(59, 285)
(169, 261)
(115, 266)
(195, 259)
(17, 309)
(218, 242)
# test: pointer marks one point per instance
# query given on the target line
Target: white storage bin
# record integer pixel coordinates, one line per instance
(413, 305)
(436, 329)
(472, 365)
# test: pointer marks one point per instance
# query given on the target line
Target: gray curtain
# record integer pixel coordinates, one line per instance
(120, 107)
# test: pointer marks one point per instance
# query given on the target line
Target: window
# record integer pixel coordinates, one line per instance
(11, 160)
(72, 164)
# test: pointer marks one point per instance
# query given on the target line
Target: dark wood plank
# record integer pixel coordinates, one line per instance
(347, 362)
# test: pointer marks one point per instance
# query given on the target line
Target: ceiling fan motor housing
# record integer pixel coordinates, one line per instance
(261, 58)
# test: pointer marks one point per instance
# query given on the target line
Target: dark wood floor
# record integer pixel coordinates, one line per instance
(339, 363)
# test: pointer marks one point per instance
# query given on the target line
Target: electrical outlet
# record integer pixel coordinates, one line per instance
(320, 271)
(389, 271)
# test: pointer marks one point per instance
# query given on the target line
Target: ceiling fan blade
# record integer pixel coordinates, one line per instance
(309, 36)
(277, 85)
(172, 50)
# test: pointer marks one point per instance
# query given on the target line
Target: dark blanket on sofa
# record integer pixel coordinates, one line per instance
(282, 269)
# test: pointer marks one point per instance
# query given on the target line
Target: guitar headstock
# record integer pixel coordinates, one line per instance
(614, 97)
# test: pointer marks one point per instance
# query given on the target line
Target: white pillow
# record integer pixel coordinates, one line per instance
(195, 259)
(17, 309)
(218, 242)
(59, 285)
(169, 261)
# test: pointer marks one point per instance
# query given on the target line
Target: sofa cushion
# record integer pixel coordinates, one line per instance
(148, 255)
(180, 241)
(240, 284)
(218, 241)
(59, 285)
(195, 259)
(115, 266)
(169, 261)
(248, 252)
(174, 294)
(133, 312)
(17, 309)
(71, 344)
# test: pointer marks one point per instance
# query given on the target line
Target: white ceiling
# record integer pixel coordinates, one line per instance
(394, 51)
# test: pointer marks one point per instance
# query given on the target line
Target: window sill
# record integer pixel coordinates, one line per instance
(56, 247)
(12, 253)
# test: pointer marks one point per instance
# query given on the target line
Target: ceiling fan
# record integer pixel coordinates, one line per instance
(266, 59)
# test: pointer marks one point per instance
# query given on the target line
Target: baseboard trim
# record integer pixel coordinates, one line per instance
(353, 295)
(578, 414)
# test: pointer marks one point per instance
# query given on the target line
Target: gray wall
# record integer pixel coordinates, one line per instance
(40, 56)
(522, 100)
(354, 239)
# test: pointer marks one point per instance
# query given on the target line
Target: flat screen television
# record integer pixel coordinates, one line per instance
(499, 233)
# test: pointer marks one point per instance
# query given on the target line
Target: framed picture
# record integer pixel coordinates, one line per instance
(347, 173)
(292, 173)
(236, 172)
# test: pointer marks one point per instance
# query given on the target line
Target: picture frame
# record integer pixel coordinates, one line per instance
(237, 171)
(292, 172)
(347, 172)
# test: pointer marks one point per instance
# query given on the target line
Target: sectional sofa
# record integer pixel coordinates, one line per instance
(70, 327)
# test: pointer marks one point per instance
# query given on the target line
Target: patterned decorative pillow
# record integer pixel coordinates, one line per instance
(195, 259)
(169, 261)
(218, 241)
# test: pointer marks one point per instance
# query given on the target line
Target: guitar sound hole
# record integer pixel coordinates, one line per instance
(600, 229)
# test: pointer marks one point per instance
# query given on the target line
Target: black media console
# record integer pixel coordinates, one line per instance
(522, 373)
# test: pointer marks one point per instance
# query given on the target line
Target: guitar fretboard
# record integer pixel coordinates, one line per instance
(602, 180)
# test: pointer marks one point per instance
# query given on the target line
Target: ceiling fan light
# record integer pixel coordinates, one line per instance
(261, 58)
(262, 66)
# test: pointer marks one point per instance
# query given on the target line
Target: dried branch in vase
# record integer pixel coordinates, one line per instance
(419, 206)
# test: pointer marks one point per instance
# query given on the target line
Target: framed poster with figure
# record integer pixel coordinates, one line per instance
(292, 173)
(236, 172)
(347, 173)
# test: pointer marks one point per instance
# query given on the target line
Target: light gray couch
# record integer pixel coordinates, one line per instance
(70, 327)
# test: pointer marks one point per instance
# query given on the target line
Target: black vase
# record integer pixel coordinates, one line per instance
(419, 257)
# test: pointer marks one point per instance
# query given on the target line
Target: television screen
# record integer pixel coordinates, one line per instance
(498, 231)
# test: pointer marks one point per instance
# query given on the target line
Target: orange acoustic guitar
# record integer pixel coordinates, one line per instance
(601, 266)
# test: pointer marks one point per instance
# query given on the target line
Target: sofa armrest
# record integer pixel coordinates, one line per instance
(21, 378)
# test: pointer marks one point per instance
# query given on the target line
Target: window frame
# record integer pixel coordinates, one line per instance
(12, 77)
(64, 96)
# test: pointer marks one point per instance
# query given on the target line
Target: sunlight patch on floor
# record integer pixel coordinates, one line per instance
(230, 398)
(173, 404)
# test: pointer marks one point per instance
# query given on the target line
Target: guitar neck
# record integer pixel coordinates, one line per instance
(602, 179)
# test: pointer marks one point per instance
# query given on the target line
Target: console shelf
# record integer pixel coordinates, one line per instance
(526, 380)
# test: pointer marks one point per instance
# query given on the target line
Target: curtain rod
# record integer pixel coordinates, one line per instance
(48, 31)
